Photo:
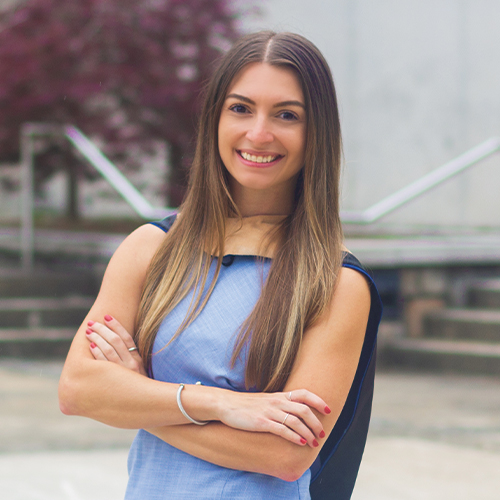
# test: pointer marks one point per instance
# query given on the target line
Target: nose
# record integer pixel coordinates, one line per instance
(260, 132)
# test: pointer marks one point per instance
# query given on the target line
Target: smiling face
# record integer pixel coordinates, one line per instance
(262, 135)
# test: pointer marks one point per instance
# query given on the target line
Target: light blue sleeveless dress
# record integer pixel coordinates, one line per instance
(203, 353)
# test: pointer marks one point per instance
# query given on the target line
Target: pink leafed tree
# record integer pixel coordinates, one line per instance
(126, 71)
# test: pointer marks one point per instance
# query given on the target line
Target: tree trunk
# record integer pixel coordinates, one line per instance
(72, 198)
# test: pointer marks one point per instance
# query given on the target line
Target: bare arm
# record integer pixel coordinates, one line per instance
(119, 395)
(326, 365)
(109, 392)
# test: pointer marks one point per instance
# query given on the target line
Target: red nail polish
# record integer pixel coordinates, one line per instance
(322, 434)
(303, 441)
(88, 331)
(108, 317)
(92, 345)
(315, 443)
(90, 323)
(327, 410)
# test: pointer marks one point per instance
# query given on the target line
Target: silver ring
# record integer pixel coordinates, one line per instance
(132, 349)
(284, 420)
(290, 395)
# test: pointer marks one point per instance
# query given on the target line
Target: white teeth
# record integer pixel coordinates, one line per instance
(258, 159)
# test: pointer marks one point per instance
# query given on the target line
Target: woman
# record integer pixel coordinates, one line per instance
(247, 291)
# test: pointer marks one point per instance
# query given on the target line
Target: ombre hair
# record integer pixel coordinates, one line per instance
(303, 274)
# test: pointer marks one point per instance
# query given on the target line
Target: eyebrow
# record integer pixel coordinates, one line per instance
(277, 105)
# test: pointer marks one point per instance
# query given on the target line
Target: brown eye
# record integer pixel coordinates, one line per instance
(238, 108)
(288, 115)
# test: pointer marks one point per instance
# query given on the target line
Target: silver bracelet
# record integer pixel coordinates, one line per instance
(181, 408)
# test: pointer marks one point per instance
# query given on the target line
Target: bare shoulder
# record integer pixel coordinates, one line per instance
(345, 317)
(144, 237)
(352, 286)
(126, 272)
(121, 287)
(138, 248)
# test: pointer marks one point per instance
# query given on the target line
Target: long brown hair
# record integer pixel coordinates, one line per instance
(303, 273)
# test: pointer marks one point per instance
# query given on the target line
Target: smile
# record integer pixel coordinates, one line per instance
(258, 159)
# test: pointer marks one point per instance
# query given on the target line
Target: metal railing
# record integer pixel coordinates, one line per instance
(145, 210)
(422, 185)
(95, 157)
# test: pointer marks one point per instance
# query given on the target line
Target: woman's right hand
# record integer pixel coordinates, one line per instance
(285, 414)
(110, 341)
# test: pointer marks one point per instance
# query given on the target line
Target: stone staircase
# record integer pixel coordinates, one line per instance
(455, 339)
(41, 311)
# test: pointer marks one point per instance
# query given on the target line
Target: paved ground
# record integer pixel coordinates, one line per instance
(432, 437)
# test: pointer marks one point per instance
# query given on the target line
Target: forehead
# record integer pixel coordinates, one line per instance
(262, 80)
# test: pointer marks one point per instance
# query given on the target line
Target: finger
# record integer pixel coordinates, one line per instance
(97, 332)
(306, 416)
(104, 346)
(116, 326)
(110, 337)
(96, 352)
(306, 421)
(125, 357)
(301, 418)
(310, 399)
(286, 433)
(297, 425)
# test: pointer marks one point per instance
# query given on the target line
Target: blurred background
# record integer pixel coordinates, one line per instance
(98, 109)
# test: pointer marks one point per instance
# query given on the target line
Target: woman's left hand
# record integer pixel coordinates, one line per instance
(111, 342)
(287, 415)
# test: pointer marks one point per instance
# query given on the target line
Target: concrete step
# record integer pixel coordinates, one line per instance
(39, 312)
(44, 284)
(472, 324)
(485, 295)
(449, 356)
(35, 342)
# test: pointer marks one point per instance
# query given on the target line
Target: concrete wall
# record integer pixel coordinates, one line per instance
(418, 84)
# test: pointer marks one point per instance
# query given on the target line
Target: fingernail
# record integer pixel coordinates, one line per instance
(88, 331)
(322, 434)
(315, 443)
(92, 345)
(90, 323)
(303, 441)
(327, 410)
(108, 317)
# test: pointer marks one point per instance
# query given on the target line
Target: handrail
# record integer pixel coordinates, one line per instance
(109, 171)
(422, 185)
(95, 157)
(145, 210)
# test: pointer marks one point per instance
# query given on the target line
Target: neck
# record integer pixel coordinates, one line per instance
(251, 202)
